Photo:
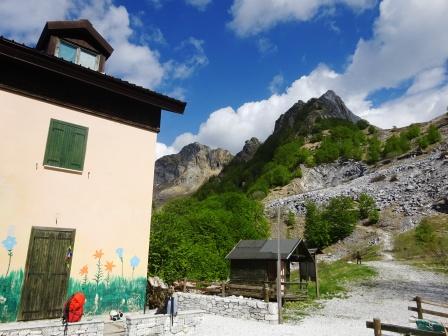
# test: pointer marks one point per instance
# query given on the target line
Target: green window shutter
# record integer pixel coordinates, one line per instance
(76, 147)
(66, 145)
(55, 143)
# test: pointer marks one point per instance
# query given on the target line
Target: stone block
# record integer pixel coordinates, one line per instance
(271, 317)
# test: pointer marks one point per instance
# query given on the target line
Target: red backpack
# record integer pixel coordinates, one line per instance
(74, 308)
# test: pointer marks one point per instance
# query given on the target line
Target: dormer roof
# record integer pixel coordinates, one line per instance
(80, 32)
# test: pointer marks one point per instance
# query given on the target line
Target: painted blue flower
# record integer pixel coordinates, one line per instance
(119, 251)
(9, 243)
(135, 261)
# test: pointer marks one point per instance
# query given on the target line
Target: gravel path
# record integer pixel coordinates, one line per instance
(387, 297)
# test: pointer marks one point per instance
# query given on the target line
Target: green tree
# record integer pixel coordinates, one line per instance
(373, 150)
(190, 237)
(317, 233)
(342, 216)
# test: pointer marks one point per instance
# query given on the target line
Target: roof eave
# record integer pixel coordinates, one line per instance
(52, 63)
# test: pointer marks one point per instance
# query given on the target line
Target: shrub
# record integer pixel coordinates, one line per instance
(371, 129)
(316, 137)
(423, 142)
(362, 124)
(374, 216)
(291, 219)
(412, 132)
(396, 145)
(433, 135)
(366, 204)
(424, 232)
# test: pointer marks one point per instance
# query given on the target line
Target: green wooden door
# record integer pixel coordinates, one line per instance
(47, 272)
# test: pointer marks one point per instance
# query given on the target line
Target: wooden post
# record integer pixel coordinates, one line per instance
(279, 272)
(266, 292)
(419, 307)
(377, 327)
(185, 285)
(317, 276)
(223, 289)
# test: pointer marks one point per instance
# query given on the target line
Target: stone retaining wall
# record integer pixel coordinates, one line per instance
(52, 328)
(149, 324)
(238, 307)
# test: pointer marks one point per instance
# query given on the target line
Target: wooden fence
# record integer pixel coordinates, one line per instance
(378, 327)
(291, 291)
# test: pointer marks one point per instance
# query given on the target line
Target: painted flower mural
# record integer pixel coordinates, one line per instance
(9, 243)
(99, 271)
(120, 253)
(134, 263)
(109, 266)
(84, 272)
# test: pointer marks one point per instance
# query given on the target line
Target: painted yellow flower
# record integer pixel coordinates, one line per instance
(109, 265)
(98, 254)
(84, 270)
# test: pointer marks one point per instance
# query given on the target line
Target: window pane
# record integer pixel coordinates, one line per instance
(67, 52)
(88, 60)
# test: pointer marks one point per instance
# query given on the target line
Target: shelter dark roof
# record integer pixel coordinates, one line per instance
(263, 249)
(76, 28)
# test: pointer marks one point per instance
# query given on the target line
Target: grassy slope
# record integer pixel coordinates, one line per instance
(426, 245)
(333, 282)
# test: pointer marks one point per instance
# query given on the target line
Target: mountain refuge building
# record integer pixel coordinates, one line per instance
(76, 175)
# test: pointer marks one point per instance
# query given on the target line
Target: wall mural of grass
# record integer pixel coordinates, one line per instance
(104, 291)
(10, 288)
(118, 293)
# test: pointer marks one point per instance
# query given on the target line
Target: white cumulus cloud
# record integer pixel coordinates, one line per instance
(251, 17)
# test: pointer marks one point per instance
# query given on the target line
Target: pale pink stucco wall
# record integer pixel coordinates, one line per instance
(109, 204)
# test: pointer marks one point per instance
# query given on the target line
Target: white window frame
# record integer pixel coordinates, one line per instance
(78, 53)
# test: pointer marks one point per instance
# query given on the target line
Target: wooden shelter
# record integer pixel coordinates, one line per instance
(254, 261)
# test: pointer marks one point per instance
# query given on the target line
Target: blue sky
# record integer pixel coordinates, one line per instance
(239, 64)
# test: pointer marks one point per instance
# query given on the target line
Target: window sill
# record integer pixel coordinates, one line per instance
(66, 170)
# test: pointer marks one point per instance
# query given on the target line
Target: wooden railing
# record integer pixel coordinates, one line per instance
(420, 311)
(264, 291)
(378, 327)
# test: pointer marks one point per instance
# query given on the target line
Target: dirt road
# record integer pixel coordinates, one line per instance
(387, 296)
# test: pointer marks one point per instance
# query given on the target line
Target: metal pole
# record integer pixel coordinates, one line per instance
(279, 285)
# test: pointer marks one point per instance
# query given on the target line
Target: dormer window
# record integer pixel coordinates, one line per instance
(73, 53)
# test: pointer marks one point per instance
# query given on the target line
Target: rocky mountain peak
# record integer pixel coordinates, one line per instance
(335, 107)
(183, 173)
(248, 151)
(303, 115)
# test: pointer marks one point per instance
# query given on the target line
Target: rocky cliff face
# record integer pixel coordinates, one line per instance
(302, 115)
(183, 173)
(248, 151)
